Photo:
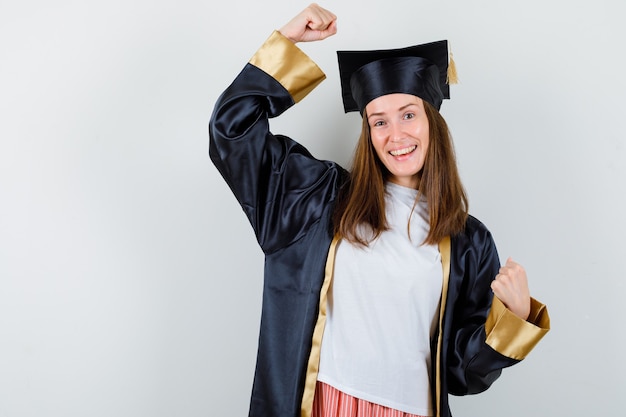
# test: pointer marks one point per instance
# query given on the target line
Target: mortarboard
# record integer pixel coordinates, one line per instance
(421, 70)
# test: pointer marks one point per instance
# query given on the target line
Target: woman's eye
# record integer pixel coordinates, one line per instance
(409, 115)
(379, 123)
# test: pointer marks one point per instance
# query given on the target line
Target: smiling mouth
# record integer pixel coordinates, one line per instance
(403, 151)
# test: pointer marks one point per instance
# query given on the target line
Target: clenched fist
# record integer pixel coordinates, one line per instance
(511, 287)
(312, 24)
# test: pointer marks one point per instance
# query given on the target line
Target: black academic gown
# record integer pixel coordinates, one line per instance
(288, 197)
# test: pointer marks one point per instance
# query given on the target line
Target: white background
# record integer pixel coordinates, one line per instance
(130, 280)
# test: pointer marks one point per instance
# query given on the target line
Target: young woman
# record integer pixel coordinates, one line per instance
(379, 287)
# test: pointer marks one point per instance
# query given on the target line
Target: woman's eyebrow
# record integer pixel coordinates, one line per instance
(401, 108)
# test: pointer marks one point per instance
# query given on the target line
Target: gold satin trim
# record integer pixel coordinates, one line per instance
(306, 407)
(444, 250)
(512, 336)
(287, 64)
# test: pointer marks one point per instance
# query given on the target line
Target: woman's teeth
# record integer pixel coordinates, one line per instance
(403, 151)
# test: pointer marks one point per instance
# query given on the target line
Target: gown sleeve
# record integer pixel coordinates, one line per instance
(486, 337)
(281, 188)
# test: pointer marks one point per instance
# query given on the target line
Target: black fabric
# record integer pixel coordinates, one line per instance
(421, 70)
(287, 196)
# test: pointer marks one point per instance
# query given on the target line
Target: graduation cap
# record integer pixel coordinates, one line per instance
(422, 70)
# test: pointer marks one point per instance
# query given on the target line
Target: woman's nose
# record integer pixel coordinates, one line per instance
(396, 132)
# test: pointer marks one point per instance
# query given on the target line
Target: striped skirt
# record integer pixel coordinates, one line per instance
(330, 402)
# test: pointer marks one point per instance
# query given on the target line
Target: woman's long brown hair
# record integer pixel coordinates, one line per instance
(361, 201)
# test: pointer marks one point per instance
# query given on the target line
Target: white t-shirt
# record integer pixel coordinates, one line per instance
(382, 311)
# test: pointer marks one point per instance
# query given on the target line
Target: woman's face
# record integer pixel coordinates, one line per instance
(400, 135)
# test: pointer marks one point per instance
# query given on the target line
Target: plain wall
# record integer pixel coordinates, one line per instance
(130, 280)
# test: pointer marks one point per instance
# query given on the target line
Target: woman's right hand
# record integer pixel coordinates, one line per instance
(312, 24)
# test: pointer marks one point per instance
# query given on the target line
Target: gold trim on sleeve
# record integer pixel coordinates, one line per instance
(306, 407)
(287, 64)
(512, 336)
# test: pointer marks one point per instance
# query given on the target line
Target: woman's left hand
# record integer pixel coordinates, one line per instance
(511, 287)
